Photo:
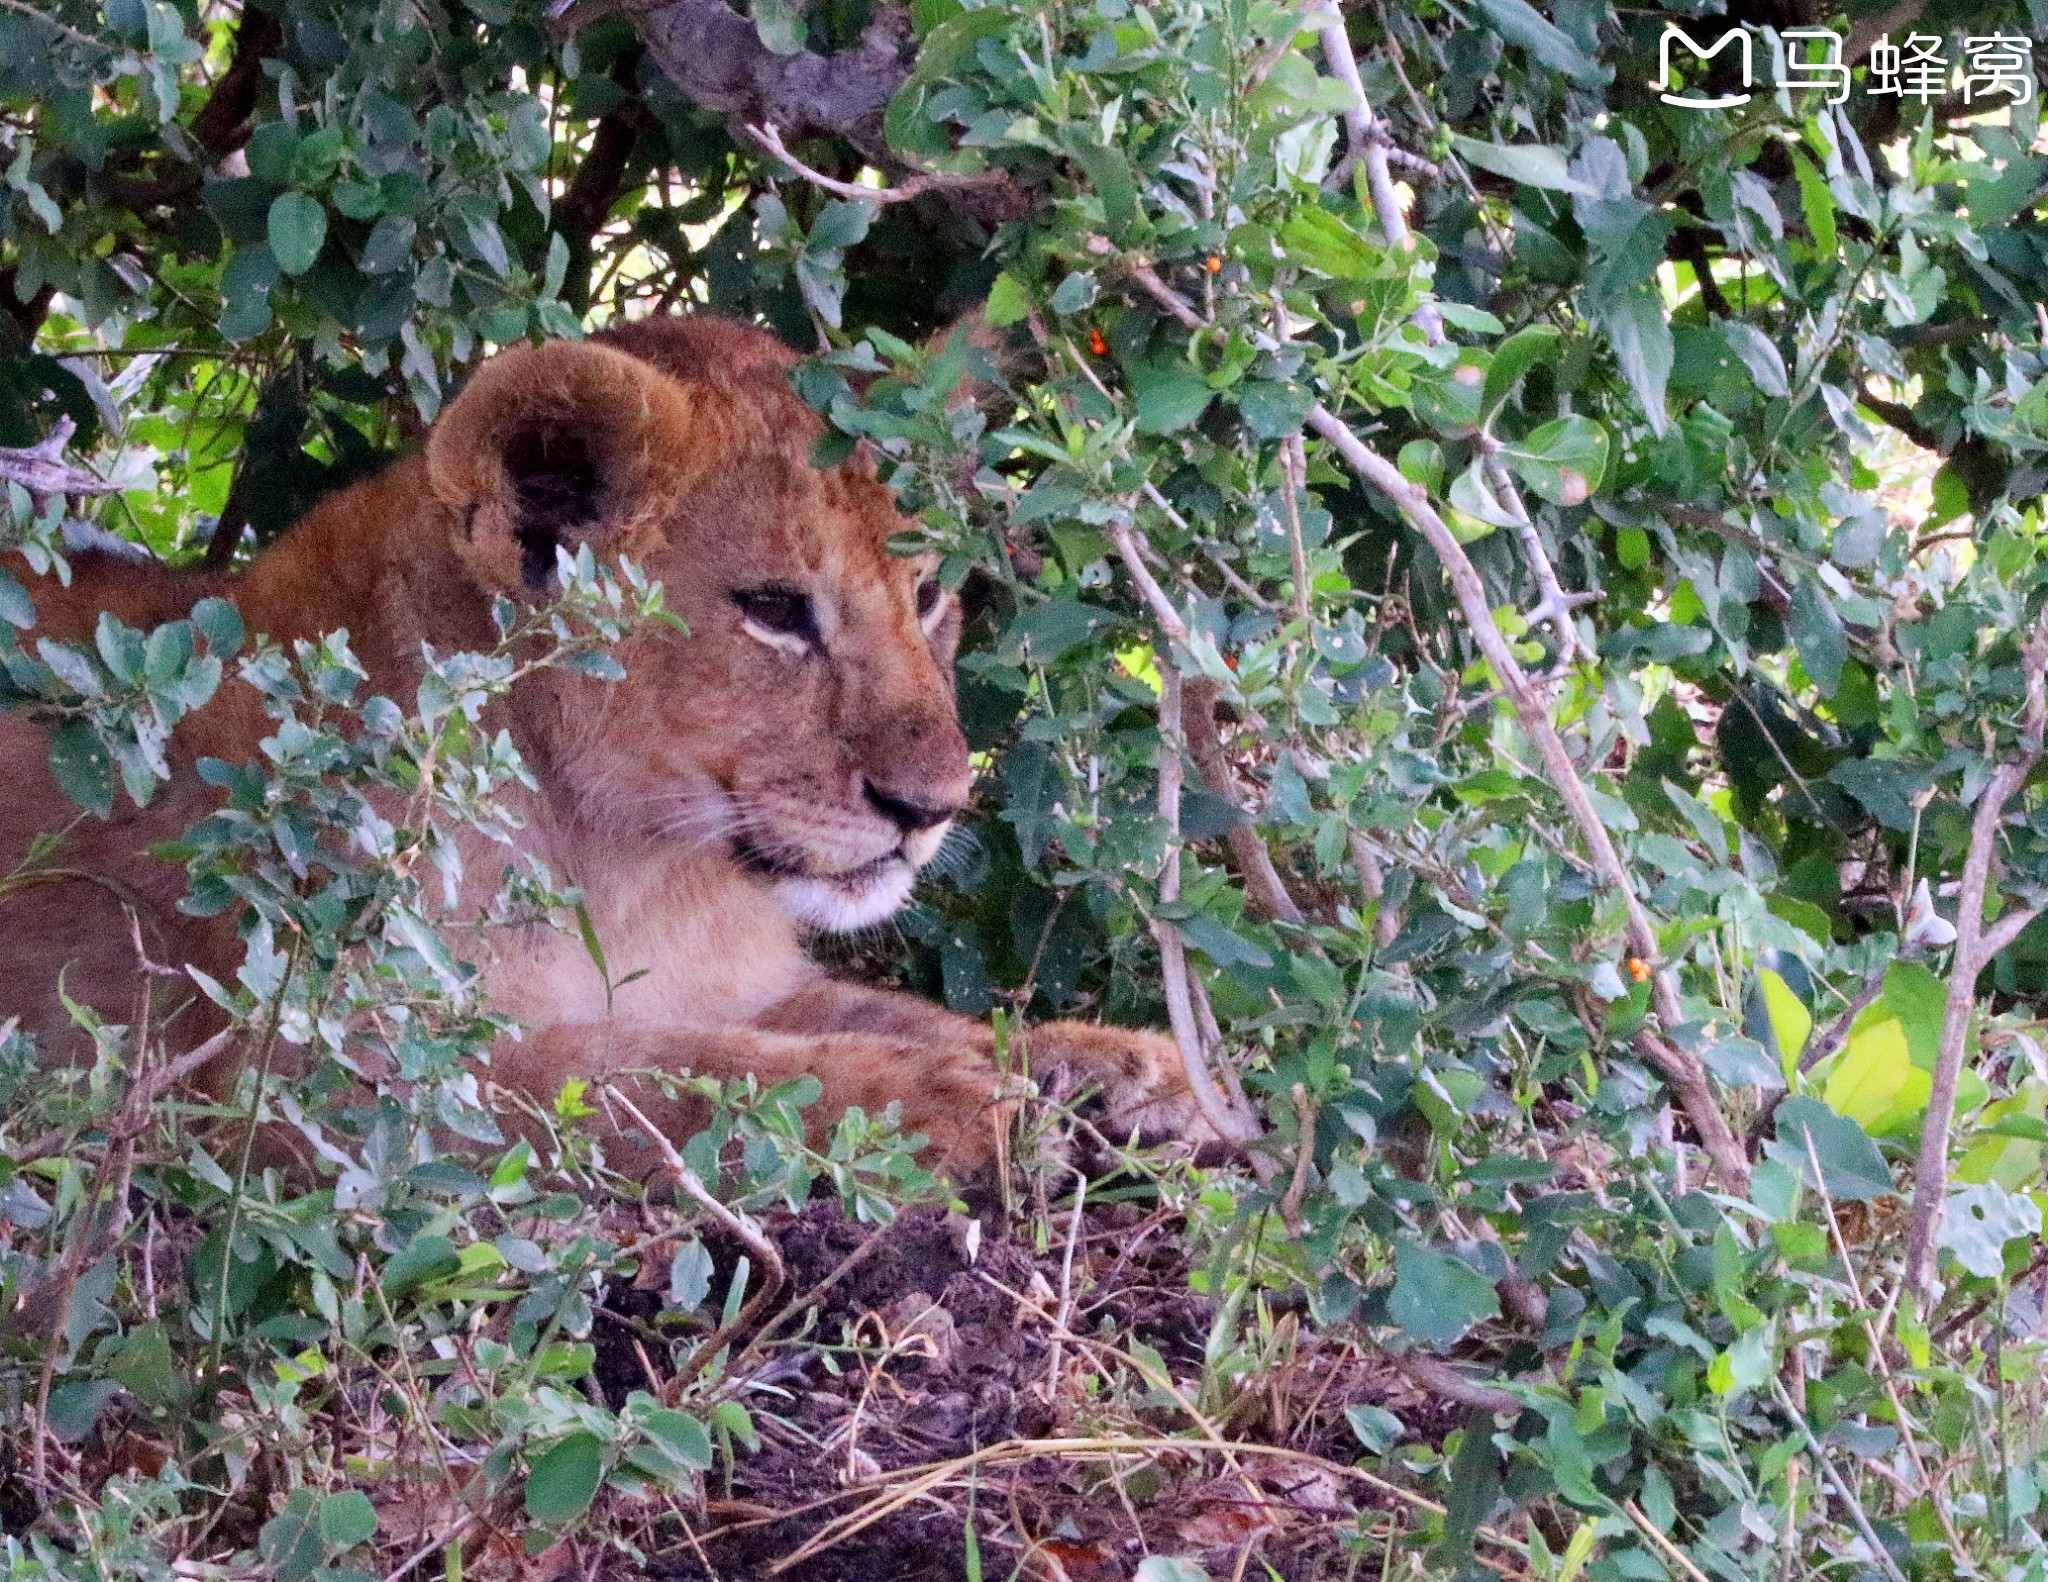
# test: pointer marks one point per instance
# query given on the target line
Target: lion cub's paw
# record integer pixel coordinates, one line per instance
(1143, 1089)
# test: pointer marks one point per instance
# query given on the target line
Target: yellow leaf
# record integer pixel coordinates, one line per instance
(1873, 1075)
(1791, 1022)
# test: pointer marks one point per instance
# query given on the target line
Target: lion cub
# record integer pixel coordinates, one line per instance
(787, 767)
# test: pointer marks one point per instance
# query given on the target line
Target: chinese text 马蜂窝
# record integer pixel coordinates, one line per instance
(1994, 66)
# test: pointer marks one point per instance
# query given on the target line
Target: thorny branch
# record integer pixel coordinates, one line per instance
(1262, 881)
(1684, 1071)
(41, 469)
(1976, 945)
(1229, 1123)
(774, 1276)
(917, 185)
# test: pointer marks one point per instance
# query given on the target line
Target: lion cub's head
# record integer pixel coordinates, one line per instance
(806, 725)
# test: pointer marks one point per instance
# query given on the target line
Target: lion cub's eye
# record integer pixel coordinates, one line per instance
(927, 598)
(779, 613)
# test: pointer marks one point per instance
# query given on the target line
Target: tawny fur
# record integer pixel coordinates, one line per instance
(707, 806)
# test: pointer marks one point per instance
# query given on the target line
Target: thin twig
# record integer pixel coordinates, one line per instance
(744, 1230)
(1876, 1348)
(1065, 1316)
(916, 186)
(1841, 1490)
(1554, 604)
(1975, 947)
(1293, 479)
(1304, 1159)
(1664, 1545)
(1365, 147)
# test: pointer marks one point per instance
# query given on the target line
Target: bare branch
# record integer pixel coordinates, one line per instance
(1359, 133)
(716, 57)
(1262, 882)
(1975, 946)
(1293, 479)
(1170, 622)
(1554, 605)
(1440, 1378)
(1147, 278)
(1688, 1077)
(1227, 1120)
(41, 469)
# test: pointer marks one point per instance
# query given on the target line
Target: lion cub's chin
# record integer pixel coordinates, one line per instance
(850, 901)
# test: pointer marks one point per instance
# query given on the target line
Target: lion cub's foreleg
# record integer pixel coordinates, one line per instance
(869, 1048)
(1143, 1088)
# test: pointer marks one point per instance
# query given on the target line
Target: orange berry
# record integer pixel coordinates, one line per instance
(1213, 264)
(1638, 969)
(1098, 343)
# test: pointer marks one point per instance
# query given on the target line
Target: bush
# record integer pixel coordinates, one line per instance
(1508, 612)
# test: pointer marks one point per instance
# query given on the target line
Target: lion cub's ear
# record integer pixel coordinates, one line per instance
(554, 446)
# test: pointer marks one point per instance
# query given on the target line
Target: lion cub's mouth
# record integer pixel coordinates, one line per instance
(834, 903)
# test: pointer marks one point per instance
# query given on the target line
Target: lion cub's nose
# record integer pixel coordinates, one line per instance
(908, 816)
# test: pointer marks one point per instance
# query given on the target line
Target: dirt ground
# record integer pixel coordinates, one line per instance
(931, 1345)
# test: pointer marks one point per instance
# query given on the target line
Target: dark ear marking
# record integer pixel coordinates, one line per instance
(555, 478)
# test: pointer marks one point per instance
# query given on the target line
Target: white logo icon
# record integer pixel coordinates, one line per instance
(1739, 37)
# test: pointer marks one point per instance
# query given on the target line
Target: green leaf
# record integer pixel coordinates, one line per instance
(1514, 357)
(1873, 1080)
(1271, 409)
(290, 1541)
(1219, 944)
(1316, 239)
(1563, 461)
(689, 1276)
(1437, 1297)
(562, 1483)
(423, 1258)
(679, 1436)
(1978, 1221)
(780, 25)
(1759, 354)
(842, 223)
(1169, 399)
(347, 1519)
(1532, 164)
(1110, 175)
(1746, 1365)
(1817, 204)
(1422, 462)
(1521, 24)
(1634, 324)
(1377, 1428)
(16, 608)
(76, 1407)
(83, 769)
(1886, 787)
(1851, 1166)
(145, 1367)
(1008, 302)
(297, 231)
(1817, 634)
(220, 623)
